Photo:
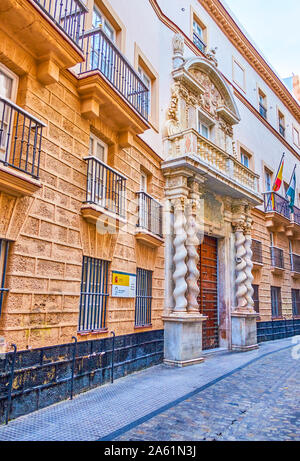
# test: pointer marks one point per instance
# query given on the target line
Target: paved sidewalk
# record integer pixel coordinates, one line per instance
(110, 411)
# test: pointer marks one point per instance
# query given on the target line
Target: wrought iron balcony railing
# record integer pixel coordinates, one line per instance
(257, 251)
(101, 54)
(20, 138)
(295, 263)
(281, 130)
(296, 215)
(68, 15)
(199, 43)
(106, 187)
(277, 258)
(150, 214)
(262, 111)
(275, 202)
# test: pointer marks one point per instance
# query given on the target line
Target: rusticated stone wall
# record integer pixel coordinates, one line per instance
(264, 277)
(49, 236)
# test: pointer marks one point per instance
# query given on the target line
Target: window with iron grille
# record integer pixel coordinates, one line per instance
(296, 302)
(4, 244)
(143, 302)
(256, 298)
(94, 294)
(276, 302)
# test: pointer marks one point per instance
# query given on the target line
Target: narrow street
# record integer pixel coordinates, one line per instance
(231, 396)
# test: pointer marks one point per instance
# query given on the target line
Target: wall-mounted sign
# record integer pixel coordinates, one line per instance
(123, 285)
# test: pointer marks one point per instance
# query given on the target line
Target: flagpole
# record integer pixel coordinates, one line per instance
(272, 191)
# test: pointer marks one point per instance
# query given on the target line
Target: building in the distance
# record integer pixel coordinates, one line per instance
(293, 84)
(139, 144)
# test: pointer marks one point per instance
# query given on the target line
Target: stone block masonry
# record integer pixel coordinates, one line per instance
(43, 376)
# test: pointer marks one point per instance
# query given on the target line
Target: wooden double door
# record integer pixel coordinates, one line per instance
(208, 295)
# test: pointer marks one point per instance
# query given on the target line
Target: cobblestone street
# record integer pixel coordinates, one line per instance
(231, 396)
(260, 402)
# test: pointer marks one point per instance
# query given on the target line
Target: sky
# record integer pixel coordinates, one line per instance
(274, 26)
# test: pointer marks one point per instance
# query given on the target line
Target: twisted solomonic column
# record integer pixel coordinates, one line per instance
(241, 265)
(179, 293)
(249, 266)
(192, 263)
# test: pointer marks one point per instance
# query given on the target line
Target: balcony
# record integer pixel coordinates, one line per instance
(67, 15)
(110, 86)
(295, 265)
(105, 203)
(199, 43)
(277, 260)
(278, 212)
(20, 149)
(51, 29)
(293, 229)
(263, 111)
(149, 226)
(224, 174)
(257, 258)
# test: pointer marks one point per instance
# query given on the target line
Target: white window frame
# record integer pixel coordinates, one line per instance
(201, 124)
(265, 178)
(14, 88)
(105, 23)
(94, 153)
(143, 179)
(245, 156)
(197, 26)
(296, 137)
(145, 76)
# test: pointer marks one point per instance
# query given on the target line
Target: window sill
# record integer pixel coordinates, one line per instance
(142, 327)
(92, 332)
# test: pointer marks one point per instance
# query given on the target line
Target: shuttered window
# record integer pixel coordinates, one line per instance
(143, 302)
(94, 294)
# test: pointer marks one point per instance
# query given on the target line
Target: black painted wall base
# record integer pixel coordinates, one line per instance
(277, 329)
(43, 376)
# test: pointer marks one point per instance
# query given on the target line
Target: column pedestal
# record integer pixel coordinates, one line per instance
(244, 331)
(183, 339)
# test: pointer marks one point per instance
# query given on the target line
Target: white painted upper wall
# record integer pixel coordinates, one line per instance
(155, 40)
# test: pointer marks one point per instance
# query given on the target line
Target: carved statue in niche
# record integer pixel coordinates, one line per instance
(178, 44)
(173, 123)
(225, 127)
(211, 56)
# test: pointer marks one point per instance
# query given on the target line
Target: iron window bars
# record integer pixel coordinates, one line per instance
(68, 15)
(20, 138)
(276, 302)
(94, 294)
(256, 297)
(262, 111)
(296, 302)
(143, 302)
(4, 246)
(106, 187)
(199, 43)
(103, 55)
(257, 251)
(150, 214)
(295, 262)
(277, 257)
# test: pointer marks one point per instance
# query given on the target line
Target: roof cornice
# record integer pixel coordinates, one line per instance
(229, 27)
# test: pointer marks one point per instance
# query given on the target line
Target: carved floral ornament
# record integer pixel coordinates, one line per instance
(199, 85)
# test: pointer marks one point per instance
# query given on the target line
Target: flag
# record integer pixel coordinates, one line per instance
(278, 181)
(291, 192)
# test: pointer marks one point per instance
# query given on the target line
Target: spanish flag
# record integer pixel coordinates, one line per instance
(278, 181)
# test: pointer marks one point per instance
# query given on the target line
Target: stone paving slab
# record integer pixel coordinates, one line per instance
(102, 412)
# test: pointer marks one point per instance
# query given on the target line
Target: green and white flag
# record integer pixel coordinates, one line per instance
(291, 192)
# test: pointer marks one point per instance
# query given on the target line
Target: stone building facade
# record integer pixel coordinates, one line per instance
(153, 134)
